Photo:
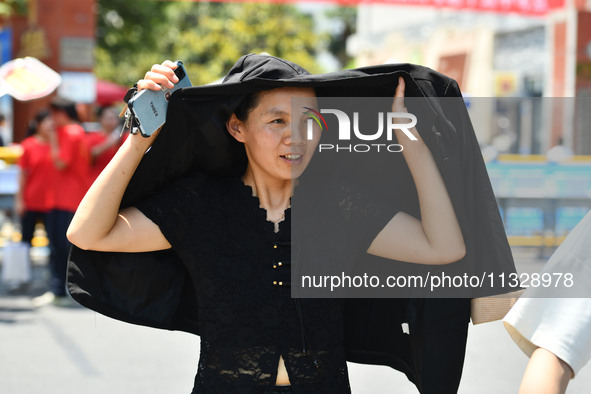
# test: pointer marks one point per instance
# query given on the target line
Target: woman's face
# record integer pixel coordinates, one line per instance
(275, 138)
(109, 120)
(45, 127)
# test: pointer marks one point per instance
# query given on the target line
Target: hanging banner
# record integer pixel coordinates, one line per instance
(523, 7)
(5, 45)
(27, 79)
(78, 86)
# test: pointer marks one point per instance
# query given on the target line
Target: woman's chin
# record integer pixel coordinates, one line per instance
(297, 171)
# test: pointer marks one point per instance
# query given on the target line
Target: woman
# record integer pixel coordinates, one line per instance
(104, 143)
(254, 337)
(34, 196)
(552, 324)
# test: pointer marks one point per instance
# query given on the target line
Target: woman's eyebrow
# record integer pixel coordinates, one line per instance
(276, 111)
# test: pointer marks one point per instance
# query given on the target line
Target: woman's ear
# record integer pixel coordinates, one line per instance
(234, 127)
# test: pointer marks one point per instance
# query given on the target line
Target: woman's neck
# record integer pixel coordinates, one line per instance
(41, 138)
(274, 195)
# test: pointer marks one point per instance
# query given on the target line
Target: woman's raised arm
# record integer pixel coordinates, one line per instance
(436, 238)
(98, 224)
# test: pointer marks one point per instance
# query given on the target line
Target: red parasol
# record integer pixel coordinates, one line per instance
(108, 93)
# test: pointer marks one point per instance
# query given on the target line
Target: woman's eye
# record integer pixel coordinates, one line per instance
(278, 121)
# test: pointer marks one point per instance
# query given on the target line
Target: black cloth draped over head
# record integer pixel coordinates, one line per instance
(153, 289)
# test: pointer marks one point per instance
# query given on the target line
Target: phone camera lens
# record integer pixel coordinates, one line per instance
(179, 72)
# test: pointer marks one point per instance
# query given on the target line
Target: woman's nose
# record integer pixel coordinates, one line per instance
(297, 134)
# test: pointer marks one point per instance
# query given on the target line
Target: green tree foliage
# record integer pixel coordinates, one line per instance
(208, 37)
(346, 17)
(127, 38)
(11, 7)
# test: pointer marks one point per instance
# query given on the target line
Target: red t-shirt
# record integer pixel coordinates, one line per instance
(94, 139)
(71, 183)
(39, 172)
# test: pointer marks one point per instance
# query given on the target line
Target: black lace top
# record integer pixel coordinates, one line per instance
(241, 271)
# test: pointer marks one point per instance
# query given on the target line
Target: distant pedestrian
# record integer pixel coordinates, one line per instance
(559, 153)
(2, 128)
(556, 332)
(104, 143)
(34, 197)
(70, 159)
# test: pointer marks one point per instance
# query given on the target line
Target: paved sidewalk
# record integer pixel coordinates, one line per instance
(53, 350)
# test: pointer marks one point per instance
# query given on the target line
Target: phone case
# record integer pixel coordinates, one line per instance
(149, 106)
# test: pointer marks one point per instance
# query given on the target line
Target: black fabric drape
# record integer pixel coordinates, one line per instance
(153, 289)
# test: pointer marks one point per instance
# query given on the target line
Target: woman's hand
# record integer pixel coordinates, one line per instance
(158, 76)
(55, 149)
(19, 207)
(398, 106)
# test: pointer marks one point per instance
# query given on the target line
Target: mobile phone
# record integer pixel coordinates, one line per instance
(149, 106)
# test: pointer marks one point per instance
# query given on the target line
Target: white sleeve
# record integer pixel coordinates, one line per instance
(560, 325)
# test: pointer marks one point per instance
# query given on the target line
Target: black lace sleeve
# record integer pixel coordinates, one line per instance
(178, 209)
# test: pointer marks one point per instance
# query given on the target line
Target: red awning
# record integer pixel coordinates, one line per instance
(108, 93)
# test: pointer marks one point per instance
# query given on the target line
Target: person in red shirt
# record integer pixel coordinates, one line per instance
(70, 158)
(104, 143)
(34, 197)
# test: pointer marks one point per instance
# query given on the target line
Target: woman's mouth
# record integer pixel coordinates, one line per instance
(292, 158)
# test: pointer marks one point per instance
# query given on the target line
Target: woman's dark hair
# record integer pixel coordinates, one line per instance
(66, 106)
(34, 124)
(248, 104)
